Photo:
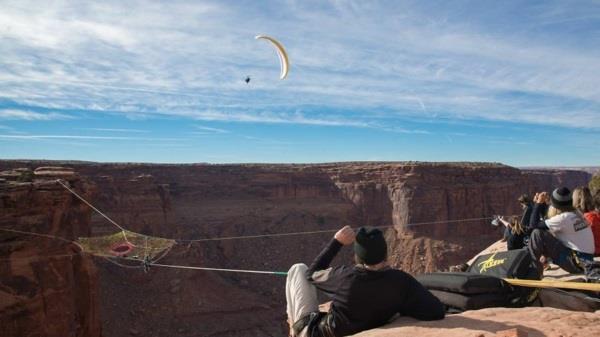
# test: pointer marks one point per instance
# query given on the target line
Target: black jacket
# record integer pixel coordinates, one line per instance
(538, 213)
(363, 299)
(526, 217)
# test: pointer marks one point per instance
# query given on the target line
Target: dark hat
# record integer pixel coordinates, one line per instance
(562, 199)
(370, 245)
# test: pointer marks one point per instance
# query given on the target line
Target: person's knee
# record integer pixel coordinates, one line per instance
(537, 235)
(298, 268)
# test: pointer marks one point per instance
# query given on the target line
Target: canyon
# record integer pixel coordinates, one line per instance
(434, 215)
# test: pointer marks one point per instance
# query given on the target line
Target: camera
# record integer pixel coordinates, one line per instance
(496, 221)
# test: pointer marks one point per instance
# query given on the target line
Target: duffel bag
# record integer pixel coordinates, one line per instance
(471, 302)
(464, 283)
(515, 263)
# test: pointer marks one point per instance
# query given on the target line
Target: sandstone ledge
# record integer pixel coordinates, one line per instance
(534, 321)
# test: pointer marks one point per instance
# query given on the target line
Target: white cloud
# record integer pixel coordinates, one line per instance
(117, 130)
(269, 118)
(64, 137)
(15, 114)
(383, 59)
(30, 137)
(409, 131)
(209, 130)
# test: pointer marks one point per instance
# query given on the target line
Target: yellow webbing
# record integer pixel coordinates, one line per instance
(554, 284)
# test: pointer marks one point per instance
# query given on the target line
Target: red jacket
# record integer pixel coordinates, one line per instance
(593, 218)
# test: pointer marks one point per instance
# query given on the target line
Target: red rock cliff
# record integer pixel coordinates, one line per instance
(46, 288)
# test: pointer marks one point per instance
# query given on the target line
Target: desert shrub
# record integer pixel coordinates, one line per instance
(594, 184)
(25, 177)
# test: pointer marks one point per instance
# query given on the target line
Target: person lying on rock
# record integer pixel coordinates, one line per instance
(364, 296)
(564, 237)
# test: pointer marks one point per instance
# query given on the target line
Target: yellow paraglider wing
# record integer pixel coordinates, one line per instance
(283, 57)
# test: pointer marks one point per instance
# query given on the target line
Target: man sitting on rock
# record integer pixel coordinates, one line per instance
(564, 238)
(364, 296)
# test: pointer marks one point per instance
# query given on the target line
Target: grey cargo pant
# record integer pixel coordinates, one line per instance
(301, 295)
(542, 242)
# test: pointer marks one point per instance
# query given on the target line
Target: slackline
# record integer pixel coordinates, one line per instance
(554, 284)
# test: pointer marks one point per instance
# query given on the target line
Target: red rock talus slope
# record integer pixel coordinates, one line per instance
(203, 201)
(45, 290)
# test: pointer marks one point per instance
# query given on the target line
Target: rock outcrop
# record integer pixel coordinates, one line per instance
(46, 287)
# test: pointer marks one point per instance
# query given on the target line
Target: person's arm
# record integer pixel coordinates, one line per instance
(324, 278)
(536, 222)
(504, 222)
(343, 237)
(556, 224)
(421, 304)
(323, 260)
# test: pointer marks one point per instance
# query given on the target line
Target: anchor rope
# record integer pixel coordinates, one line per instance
(281, 273)
(176, 266)
(47, 236)
(95, 209)
(36, 257)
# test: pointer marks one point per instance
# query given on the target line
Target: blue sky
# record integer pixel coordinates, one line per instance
(516, 82)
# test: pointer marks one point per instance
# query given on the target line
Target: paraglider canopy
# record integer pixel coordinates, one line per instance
(283, 57)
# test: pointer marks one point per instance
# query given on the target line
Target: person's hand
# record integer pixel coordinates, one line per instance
(544, 198)
(541, 198)
(345, 236)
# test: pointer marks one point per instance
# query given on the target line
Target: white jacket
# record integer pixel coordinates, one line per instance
(573, 231)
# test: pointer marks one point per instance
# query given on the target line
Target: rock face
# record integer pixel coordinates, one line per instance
(433, 208)
(559, 177)
(46, 287)
(434, 215)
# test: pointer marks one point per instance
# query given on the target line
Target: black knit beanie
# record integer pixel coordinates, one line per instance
(562, 199)
(370, 245)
